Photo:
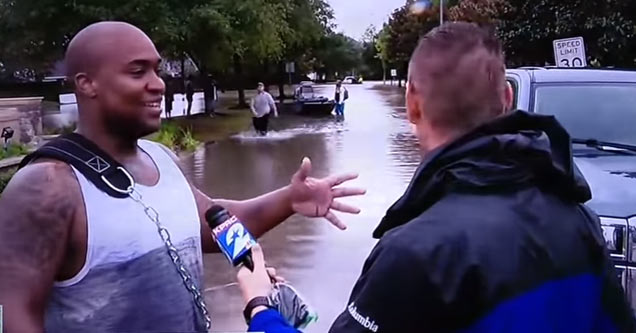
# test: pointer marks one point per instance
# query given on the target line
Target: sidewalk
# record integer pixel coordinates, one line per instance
(10, 162)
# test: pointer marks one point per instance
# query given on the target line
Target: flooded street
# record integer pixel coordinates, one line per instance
(117, 116)
(322, 262)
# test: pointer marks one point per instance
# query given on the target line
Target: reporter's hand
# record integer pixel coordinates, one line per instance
(257, 283)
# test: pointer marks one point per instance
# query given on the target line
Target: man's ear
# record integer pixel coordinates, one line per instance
(85, 85)
(413, 104)
(509, 97)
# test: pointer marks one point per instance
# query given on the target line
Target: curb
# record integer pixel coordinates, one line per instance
(10, 162)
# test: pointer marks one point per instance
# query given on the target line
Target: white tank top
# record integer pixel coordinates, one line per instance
(128, 282)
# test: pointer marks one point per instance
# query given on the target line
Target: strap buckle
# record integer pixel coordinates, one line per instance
(128, 190)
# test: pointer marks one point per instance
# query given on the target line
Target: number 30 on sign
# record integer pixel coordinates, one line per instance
(569, 52)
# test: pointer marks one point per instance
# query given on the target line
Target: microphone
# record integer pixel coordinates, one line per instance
(231, 236)
(236, 244)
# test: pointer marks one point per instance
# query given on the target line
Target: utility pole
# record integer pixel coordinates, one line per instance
(441, 12)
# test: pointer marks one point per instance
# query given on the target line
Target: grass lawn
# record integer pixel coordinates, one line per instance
(5, 176)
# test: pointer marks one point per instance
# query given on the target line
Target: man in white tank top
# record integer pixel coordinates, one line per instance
(75, 259)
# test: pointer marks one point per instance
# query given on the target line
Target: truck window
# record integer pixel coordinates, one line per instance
(605, 112)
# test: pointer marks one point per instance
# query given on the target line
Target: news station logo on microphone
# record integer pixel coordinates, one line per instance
(235, 241)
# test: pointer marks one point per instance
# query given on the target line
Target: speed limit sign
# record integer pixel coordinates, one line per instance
(569, 52)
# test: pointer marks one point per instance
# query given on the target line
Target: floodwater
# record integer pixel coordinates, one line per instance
(321, 261)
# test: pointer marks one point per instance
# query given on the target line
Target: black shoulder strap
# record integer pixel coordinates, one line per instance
(95, 164)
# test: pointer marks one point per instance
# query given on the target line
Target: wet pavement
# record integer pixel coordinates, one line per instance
(322, 262)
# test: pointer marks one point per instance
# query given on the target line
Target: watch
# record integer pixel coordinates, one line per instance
(254, 303)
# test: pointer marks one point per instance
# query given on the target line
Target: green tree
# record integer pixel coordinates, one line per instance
(483, 12)
(215, 34)
(381, 46)
(34, 33)
(403, 32)
(308, 22)
(371, 65)
(224, 34)
(256, 33)
(337, 55)
(527, 28)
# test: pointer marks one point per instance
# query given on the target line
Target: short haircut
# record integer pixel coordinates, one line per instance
(458, 69)
(85, 51)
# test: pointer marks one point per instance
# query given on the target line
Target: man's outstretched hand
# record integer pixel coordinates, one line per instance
(312, 197)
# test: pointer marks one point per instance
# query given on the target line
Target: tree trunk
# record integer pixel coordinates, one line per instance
(208, 91)
(208, 84)
(383, 72)
(238, 71)
(281, 81)
(402, 73)
(183, 72)
(266, 77)
(183, 81)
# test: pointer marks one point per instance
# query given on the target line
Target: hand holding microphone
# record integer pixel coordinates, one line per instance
(257, 282)
(262, 283)
(234, 241)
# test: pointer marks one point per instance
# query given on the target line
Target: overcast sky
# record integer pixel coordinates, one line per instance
(354, 16)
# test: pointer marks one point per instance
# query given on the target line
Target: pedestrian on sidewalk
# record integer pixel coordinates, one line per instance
(189, 90)
(262, 105)
(169, 98)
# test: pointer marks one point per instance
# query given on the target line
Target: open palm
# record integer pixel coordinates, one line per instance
(312, 197)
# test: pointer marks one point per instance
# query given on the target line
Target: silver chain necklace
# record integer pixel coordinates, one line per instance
(153, 215)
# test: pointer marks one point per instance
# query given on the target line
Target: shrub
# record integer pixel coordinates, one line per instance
(60, 130)
(175, 138)
(188, 142)
(5, 177)
(16, 149)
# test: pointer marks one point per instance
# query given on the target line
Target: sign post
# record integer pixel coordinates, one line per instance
(290, 68)
(393, 75)
(7, 134)
(570, 52)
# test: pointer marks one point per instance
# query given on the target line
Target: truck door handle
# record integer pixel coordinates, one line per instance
(615, 236)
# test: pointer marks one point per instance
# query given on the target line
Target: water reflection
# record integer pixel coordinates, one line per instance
(404, 154)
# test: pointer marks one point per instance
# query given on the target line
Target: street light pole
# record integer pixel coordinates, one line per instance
(441, 12)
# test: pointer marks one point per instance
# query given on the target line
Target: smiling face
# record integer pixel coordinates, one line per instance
(130, 90)
(120, 85)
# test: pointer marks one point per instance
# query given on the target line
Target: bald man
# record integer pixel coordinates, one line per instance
(73, 258)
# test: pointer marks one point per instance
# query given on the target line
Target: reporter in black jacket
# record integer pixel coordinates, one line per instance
(492, 234)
